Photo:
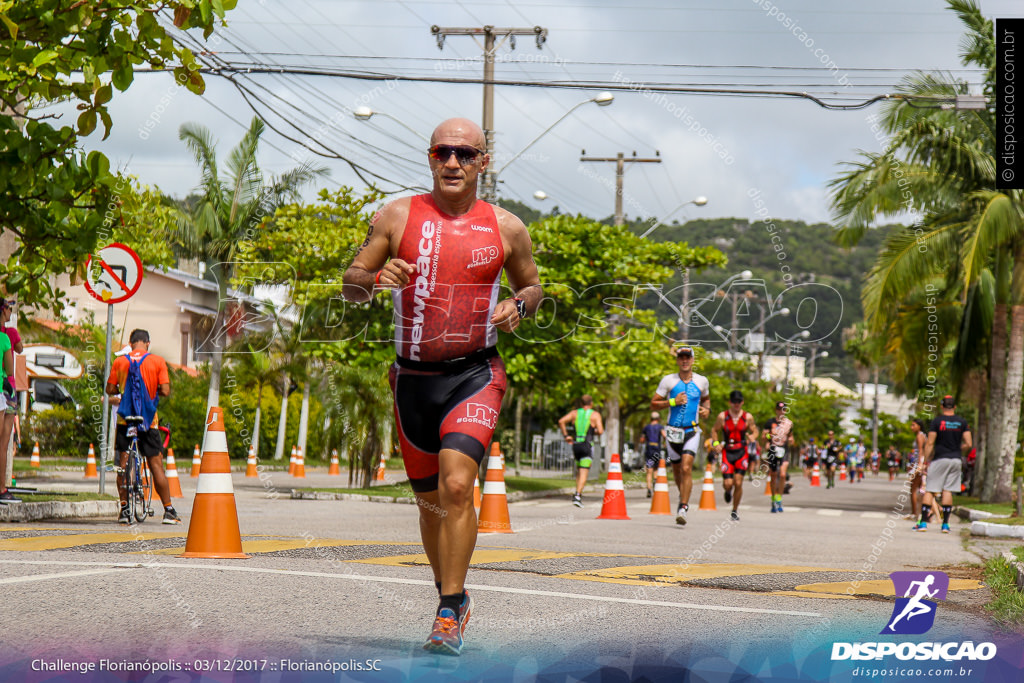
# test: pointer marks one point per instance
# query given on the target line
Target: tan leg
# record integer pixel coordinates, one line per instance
(456, 537)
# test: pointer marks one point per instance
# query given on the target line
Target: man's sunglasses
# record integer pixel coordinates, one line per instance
(464, 153)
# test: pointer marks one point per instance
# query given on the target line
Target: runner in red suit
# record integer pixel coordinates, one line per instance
(441, 255)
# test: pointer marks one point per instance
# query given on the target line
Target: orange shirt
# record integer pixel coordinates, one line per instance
(154, 373)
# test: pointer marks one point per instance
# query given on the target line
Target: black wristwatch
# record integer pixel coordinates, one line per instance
(520, 307)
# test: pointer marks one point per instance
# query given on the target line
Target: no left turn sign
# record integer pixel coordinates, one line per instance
(113, 274)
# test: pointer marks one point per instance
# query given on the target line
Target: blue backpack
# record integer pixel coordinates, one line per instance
(135, 400)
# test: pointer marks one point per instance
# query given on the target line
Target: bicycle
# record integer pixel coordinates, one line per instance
(137, 479)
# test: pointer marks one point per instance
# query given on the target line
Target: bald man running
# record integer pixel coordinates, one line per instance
(441, 255)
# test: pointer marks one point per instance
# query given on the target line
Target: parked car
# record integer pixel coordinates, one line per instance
(48, 393)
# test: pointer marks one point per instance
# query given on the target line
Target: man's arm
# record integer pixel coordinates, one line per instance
(370, 268)
(929, 446)
(965, 444)
(9, 362)
(163, 386)
(751, 428)
(521, 271)
(595, 417)
(571, 415)
(719, 424)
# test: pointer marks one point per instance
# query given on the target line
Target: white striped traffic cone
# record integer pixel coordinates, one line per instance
(614, 506)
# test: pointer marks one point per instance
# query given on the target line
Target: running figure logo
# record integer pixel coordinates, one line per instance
(914, 613)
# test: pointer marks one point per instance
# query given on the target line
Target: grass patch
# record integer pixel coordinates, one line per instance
(533, 484)
(23, 464)
(994, 508)
(66, 497)
(1007, 606)
(402, 490)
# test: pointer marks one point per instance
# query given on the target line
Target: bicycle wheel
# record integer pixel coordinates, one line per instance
(146, 489)
(131, 476)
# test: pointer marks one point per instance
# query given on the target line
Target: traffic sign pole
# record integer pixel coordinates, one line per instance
(105, 434)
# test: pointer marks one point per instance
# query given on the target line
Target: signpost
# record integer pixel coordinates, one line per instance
(113, 274)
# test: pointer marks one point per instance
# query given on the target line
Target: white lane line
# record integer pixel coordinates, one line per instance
(830, 513)
(62, 575)
(420, 582)
(873, 515)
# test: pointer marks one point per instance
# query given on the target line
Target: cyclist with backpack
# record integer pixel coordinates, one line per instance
(141, 378)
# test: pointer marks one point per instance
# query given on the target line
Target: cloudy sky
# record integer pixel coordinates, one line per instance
(721, 147)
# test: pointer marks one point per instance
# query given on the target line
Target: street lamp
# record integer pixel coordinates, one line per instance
(760, 356)
(540, 195)
(364, 113)
(490, 183)
(697, 201)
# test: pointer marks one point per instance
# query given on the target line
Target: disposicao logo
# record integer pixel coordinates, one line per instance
(914, 614)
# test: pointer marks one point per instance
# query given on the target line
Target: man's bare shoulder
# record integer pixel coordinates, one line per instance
(394, 214)
(509, 223)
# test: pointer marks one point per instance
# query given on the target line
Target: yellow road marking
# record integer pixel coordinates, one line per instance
(654, 574)
(71, 540)
(271, 546)
(484, 556)
(880, 587)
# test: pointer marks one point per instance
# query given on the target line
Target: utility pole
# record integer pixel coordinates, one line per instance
(488, 184)
(613, 428)
(620, 169)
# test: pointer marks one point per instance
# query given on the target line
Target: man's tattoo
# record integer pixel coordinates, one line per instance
(366, 241)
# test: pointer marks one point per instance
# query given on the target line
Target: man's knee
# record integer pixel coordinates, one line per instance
(455, 489)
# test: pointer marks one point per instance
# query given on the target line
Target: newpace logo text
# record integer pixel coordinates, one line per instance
(921, 652)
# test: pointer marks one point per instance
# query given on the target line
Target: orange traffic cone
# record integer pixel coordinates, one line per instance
(90, 464)
(196, 461)
(335, 469)
(293, 461)
(34, 461)
(171, 471)
(614, 506)
(250, 464)
(476, 494)
(815, 476)
(707, 491)
(494, 504)
(300, 464)
(842, 472)
(213, 530)
(660, 504)
(768, 485)
(380, 471)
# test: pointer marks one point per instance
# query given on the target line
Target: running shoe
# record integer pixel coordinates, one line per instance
(774, 507)
(577, 500)
(780, 505)
(681, 514)
(734, 516)
(124, 517)
(171, 516)
(465, 611)
(945, 528)
(649, 493)
(728, 495)
(7, 498)
(445, 638)
(921, 526)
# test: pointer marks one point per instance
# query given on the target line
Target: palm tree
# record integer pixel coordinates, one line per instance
(941, 164)
(361, 401)
(228, 213)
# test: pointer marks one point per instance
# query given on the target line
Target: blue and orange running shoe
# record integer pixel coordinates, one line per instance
(446, 636)
(465, 610)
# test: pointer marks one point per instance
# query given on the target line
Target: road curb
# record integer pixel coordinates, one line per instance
(974, 515)
(57, 509)
(1018, 568)
(997, 530)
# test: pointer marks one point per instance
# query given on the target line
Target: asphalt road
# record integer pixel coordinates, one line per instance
(343, 584)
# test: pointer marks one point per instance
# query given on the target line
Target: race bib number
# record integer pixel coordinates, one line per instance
(675, 434)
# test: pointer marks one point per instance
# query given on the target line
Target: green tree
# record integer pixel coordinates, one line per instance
(55, 197)
(941, 164)
(230, 211)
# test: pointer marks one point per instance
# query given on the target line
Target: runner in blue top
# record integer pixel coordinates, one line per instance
(652, 437)
(687, 396)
